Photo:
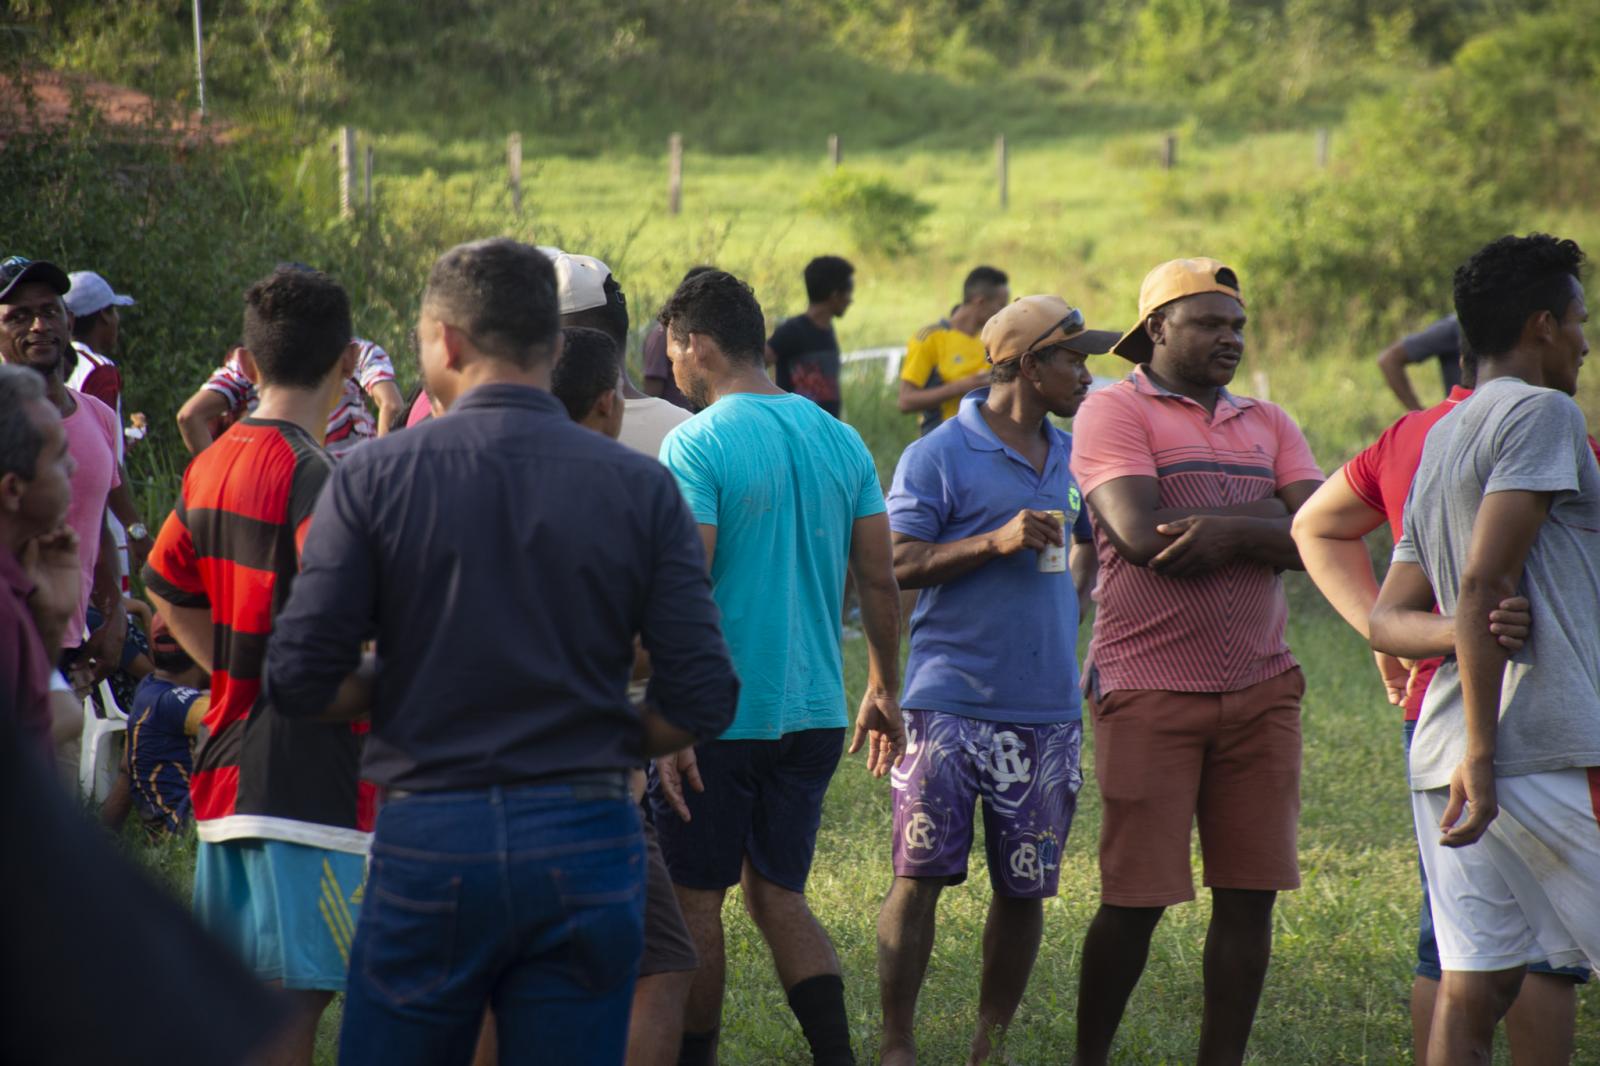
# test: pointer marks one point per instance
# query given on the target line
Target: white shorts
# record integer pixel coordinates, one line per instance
(1529, 889)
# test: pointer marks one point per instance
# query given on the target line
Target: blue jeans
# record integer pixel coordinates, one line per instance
(529, 899)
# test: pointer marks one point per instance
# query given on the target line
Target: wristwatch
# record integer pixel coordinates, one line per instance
(137, 531)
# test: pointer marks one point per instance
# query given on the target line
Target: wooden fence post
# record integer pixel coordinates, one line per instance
(1169, 152)
(1001, 164)
(1324, 139)
(368, 201)
(347, 172)
(675, 173)
(514, 170)
(835, 150)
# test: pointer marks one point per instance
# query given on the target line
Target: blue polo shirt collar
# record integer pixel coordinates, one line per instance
(981, 438)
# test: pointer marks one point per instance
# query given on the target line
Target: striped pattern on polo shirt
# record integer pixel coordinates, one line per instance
(1217, 632)
(232, 545)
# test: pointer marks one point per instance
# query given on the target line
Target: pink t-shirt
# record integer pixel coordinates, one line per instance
(92, 439)
(1222, 631)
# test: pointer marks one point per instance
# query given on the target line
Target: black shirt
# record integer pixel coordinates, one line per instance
(808, 361)
(504, 558)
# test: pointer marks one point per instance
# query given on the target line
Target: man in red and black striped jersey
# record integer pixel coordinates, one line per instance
(284, 824)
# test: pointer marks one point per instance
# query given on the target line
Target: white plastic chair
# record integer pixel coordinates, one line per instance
(97, 761)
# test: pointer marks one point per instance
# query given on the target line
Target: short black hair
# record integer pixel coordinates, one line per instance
(503, 294)
(610, 318)
(296, 325)
(696, 271)
(1508, 281)
(982, 281)
(1008, 371)
(723, 308)
(586, 369)
(20, 440)
(826, 275)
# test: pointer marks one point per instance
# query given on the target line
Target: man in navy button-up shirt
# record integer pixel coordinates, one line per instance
(504, 559)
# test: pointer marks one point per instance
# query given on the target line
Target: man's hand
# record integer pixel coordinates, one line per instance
(104, 646)
(1511, 621)
(880, 725)
(138, 552)
(1204, 542)
(1472, 788)
(1396, 674)
(1029, 530)
(51, 562)
(673, 772)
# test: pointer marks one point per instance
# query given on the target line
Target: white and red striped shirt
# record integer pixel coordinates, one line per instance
(348, 425)
(1219, 632)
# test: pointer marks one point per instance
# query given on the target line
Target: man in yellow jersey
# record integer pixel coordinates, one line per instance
(945, 361)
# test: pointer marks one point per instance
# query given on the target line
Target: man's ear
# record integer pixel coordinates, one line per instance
(12, 486)
(247, 363)
(606, 405)
(1155, 327)
(454, 342)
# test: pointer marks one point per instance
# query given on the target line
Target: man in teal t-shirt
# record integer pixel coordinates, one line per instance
(787, 499)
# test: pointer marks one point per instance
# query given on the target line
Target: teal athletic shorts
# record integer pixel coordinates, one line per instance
(289, 911)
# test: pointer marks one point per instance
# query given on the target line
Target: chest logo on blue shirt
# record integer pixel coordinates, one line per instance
(1074, 502)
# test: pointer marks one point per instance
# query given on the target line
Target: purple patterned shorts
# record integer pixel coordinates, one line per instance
(1028, 779)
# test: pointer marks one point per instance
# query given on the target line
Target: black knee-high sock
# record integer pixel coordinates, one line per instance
(698, 1049)
(818, 1004)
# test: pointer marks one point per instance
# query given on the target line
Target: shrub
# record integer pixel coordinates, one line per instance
(880, 216)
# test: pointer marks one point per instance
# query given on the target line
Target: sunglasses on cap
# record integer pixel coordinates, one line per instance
(1070, 325)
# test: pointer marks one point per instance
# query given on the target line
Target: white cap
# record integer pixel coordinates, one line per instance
(581, 280)
(90, 293)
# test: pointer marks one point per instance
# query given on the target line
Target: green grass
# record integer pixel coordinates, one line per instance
(1337, 991)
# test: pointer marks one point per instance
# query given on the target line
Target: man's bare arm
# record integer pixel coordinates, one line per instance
(1183, 541)
(1393, 362)
(191, 627)
(921, 564)
(913, 398)
(1328, 530)
(391, 405)
(195, 417)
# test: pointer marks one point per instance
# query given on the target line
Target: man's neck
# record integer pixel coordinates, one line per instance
(56, 391)
(821, 316)
(1012, 413)
(965, 319)
(12, 537)
(746, 378)
(488, 371)
(1524, 365)
(306, 408)
(1204, 395)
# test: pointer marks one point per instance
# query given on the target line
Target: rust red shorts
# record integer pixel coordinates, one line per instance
(1230, 760)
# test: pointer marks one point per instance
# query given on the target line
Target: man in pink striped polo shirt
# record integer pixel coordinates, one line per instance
(1194, 696)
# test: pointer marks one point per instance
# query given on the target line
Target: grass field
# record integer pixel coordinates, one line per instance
(1337, 991)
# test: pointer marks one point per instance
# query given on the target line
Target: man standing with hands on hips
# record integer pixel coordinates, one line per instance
(1194, 695)
(980, 510)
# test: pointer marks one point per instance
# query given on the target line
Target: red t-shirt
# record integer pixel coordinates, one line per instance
(232, 545)
(1381, 476)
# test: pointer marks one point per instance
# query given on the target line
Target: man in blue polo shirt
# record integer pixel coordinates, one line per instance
(991, 698)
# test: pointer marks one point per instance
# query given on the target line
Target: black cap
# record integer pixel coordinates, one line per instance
(18, 270)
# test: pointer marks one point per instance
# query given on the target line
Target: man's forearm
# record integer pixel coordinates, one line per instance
(1342, 571)
(922, 564)
(107, 592)
(195, 432)
(661, 737)
(1268, 541)
(880, 619)
(1407, 633)
(121, 503)
(1482, 661)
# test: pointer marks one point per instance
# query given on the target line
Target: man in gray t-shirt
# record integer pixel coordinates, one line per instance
(1505, 766)
(1510, 436)
(1440, 340)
